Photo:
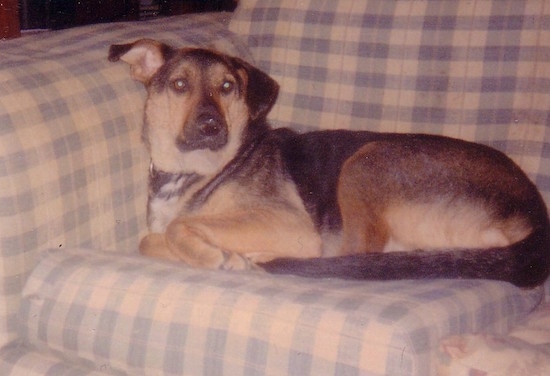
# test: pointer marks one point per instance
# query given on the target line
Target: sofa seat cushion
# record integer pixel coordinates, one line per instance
(22, 360)
(133, 315)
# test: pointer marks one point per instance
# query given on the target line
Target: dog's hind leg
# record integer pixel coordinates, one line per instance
(362, 204)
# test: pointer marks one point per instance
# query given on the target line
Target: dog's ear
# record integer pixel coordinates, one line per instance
(145, 57)
(261, 90)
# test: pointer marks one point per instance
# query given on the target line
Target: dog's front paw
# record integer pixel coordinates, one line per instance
(235, 261)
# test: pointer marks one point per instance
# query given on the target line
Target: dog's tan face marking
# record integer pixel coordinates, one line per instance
(195, 114)
(199, 103)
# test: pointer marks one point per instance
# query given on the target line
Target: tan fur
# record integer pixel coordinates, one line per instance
(381, 213)
(229, 222)
(258, 229)
(429, 226)
(167, 114)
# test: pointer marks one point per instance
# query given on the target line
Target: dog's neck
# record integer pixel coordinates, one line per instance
(165, 191)
(162, 183)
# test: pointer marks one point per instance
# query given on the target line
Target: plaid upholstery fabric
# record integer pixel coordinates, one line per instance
(477, 70)
(128, 315)
(20, 361)
(72, 168)
(72, 175)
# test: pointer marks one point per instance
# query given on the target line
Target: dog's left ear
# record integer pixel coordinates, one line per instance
(261, 90)
(145, 57)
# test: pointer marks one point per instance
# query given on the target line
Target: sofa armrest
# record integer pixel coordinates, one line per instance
(135, 316)
(73, 169)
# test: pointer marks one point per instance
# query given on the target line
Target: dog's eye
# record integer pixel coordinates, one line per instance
(227, 87)
(180, 85)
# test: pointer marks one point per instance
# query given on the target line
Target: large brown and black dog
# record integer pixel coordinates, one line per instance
(228, 191)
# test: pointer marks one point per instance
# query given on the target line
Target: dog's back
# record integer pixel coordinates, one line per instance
(464, 209)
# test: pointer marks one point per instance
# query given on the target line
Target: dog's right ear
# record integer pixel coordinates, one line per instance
(261, 89)
(145, 57)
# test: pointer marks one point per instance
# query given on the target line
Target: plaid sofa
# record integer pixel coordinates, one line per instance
(75, 299)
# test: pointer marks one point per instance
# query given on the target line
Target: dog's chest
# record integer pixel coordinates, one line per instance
(176, 195)
(168, 194)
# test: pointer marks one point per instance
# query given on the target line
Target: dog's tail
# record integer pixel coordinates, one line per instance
(525, 264)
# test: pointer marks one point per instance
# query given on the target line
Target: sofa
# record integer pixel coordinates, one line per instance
(76, 298)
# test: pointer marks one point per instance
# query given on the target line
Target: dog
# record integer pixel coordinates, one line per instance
(226, 190)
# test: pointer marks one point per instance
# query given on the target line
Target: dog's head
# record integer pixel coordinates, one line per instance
(200, 103)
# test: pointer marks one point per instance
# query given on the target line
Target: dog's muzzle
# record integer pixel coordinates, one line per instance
(208, 130)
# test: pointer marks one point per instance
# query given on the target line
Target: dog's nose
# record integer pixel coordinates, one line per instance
(209, 126)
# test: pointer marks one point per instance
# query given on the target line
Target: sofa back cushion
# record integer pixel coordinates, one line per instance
(476, 70)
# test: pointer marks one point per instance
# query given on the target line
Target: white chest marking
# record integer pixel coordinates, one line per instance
(167, 196)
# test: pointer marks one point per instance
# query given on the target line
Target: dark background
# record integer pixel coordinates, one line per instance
(59, 14)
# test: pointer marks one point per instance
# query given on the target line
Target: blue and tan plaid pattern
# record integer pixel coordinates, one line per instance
(73, 171)
(128, 315)
(478, 70)
(72, 168)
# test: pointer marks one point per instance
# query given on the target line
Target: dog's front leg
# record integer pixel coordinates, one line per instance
(198, 252)
(154, 245)
(235, 241)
